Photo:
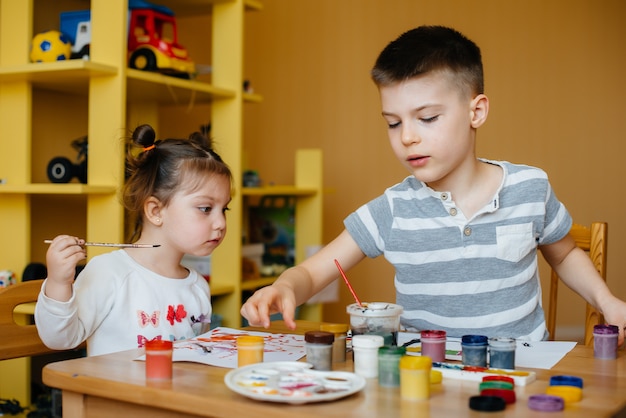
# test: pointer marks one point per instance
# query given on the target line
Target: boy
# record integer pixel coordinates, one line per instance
(461, 232)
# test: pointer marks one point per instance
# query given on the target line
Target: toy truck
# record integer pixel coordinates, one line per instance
(152, 38)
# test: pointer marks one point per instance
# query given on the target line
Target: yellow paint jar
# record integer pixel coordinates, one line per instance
(249, 350)
(415, 377)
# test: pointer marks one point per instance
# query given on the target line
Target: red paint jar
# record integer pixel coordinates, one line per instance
(159, 360)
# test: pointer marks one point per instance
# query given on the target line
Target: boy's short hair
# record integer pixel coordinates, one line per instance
(431, 48)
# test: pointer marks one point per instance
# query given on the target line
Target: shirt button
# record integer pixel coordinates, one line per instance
(453, 212)
(467, 231)
(444, 196)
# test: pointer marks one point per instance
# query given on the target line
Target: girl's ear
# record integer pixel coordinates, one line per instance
(479, 109)
(152, 210)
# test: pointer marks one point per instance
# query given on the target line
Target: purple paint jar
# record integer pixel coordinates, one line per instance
(605, 341)
(434, 344)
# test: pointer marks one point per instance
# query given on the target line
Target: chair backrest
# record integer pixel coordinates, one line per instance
(593, 240)
(19, 340)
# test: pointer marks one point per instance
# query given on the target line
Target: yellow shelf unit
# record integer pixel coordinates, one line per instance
(115, 98)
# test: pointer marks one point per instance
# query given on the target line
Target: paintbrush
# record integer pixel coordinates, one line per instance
(108, 244)
(345, 279)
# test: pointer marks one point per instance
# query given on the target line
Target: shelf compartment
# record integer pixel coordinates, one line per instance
(163, 89)
(70, 76)
(56, 189)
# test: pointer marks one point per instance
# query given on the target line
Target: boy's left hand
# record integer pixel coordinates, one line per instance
(615, 314)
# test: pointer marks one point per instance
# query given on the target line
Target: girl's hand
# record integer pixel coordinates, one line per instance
(267, 301)
(62, 257)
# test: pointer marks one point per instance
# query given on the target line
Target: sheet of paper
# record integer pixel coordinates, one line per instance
(218, 347)
(541, 354)
(531, 354)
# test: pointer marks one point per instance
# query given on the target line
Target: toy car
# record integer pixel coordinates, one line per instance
(62, 170)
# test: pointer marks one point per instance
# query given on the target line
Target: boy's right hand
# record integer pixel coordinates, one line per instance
(62, 257)
(267, 301)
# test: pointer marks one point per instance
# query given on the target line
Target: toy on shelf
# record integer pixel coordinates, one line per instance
(50, 46)
(152, 38)
(7, 278)
(62, 170)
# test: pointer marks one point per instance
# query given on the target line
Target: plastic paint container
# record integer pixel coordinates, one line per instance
(415, 377)
(434, 344)
(339, 345)
(502, 353)
(319, 349)
(365, 351)
(159, 360)
(377, 318)
(605, 341)
(249, 350)
(474, 350)
(389, 365)
(570, 394)
(546, 403)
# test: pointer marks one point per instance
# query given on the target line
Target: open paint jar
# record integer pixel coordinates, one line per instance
(376, 318)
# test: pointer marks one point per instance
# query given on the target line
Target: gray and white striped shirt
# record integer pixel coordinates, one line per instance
(466, 276)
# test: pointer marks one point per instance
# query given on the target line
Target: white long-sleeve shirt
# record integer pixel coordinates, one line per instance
(117, 304)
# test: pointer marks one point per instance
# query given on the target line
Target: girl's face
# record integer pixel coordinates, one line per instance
(429, 127)
(194, 221)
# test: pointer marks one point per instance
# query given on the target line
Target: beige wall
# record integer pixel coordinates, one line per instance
(554, 74)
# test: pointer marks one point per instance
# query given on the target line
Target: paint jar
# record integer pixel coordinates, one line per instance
(389, 365)
(434, 344)
(159, 360)
(365, 350)
(249, 350)
(502, 353)
(339, 345)
(474, 350)
(376, 318)
(415, 377)
(605, 341)
(319, 349)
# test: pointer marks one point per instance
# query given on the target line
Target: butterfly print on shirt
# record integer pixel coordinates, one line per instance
(145, 319)
(176, 314)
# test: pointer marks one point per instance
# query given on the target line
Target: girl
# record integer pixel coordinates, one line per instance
(177, 193)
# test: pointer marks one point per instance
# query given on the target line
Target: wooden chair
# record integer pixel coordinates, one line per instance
(19, 340)
(593, 240)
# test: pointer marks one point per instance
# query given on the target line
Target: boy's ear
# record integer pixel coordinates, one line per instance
(152, 210)
(479, 109)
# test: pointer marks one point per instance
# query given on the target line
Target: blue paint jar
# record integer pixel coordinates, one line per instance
(502, 353)
(474, 350)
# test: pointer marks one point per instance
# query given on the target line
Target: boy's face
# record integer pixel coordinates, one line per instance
(430, 127)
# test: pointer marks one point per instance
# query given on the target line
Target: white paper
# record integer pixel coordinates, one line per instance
(221, 342)
(541, 354)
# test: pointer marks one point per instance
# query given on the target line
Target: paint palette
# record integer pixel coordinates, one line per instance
(292, 382)
(459, 371)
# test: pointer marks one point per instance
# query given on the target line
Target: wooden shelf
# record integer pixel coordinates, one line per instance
(58, 189)
(70, 76)
(163, 89)
(200, 7)
(278, 191)
(252, 98)
(218, 289)
(257, 283)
